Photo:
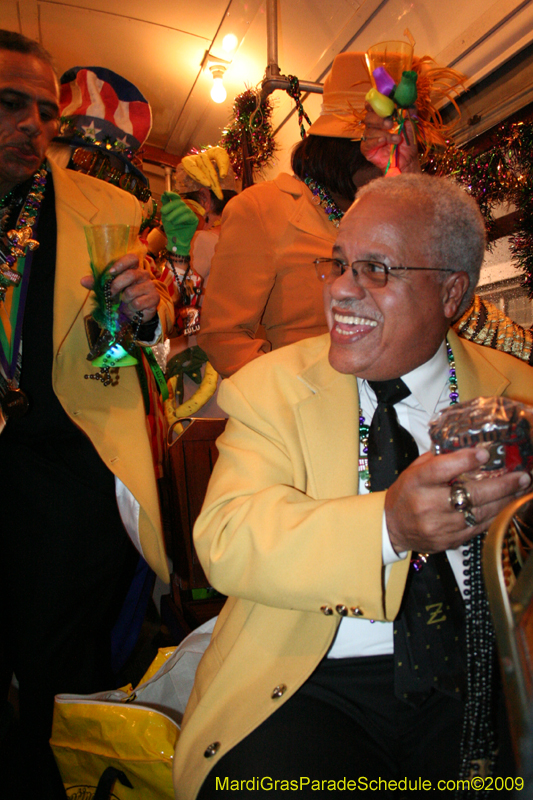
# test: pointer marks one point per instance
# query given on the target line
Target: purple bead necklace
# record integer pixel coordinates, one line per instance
(322, 198)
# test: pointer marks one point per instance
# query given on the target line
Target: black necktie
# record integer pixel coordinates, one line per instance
(390, 447)
(428, 631)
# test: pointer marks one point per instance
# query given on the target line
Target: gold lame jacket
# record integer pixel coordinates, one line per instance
(284, 535)
(113, 417)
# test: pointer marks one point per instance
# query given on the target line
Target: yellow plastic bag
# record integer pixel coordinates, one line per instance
(120, 744)
(90, 736)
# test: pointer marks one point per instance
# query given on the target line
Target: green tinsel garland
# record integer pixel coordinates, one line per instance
(253, 120)
(503, 173)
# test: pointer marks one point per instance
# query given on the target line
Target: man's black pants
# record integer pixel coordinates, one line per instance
(66, 566)
(346, 723)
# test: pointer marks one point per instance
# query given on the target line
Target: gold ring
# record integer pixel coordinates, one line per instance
(460, 500)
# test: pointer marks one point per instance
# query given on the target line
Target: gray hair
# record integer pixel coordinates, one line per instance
(457, 237)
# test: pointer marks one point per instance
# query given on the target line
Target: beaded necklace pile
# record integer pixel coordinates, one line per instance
(322, 198)
(15, 267)
(15, 243)
(478, 741)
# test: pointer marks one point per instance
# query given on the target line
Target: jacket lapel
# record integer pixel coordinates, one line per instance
(73, 212)
(329, 430)
(476, 376)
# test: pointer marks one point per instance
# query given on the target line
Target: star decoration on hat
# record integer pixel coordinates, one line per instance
(91, 131)
(122, 144)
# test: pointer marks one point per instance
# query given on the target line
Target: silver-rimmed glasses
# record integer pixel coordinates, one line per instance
(369, 274)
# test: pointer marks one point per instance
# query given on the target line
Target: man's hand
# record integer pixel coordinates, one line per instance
(377, 141)
(417, 506)
(137, 288)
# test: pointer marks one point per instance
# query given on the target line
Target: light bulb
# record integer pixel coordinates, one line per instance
(218, 91)
(229, 42)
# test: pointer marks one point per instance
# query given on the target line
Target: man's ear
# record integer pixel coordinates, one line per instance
(454, 288)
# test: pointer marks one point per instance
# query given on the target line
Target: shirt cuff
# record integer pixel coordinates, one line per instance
(388, 553)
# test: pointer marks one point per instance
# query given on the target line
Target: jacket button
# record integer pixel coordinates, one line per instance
(278, 691)
(342, 610)
(212, 749)
(357, 612)
(327, 610)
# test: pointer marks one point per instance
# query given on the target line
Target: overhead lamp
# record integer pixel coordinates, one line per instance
(218, 90)
(229, 43)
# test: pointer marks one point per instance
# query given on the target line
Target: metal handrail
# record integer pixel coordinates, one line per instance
(273, 78)
(506, 614)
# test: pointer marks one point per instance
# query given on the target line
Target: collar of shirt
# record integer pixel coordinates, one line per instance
(428, 381)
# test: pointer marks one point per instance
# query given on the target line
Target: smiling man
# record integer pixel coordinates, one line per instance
(76, 454)
(373, 327)
(328, 661)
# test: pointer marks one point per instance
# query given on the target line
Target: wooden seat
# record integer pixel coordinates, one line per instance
(509, 587)
(189, 462)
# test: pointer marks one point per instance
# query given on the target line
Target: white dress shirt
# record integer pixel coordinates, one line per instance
(430, 393)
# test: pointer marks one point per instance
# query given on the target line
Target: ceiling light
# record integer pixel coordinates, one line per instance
(218, 91)
(229, 42)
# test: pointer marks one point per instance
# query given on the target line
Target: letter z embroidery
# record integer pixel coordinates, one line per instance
(434, 615)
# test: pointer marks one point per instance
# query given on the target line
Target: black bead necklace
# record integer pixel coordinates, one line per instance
(478, 741)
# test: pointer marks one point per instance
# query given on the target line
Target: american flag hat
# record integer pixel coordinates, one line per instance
(105, 107)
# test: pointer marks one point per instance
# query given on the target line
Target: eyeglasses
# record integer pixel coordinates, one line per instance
(370, 274)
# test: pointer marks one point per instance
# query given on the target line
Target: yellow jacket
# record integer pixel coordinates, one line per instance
(262, 273)
(112, 417)
(284, 534)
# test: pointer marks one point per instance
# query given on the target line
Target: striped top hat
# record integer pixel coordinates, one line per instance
(106, 107)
